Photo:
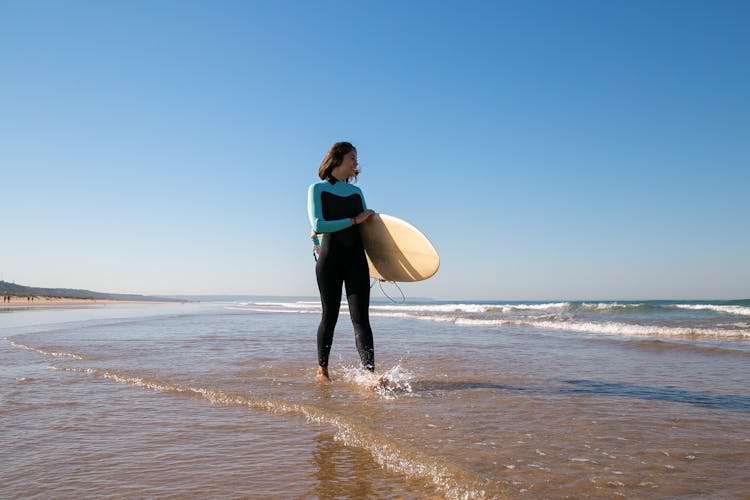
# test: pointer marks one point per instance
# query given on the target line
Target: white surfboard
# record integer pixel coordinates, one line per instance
(396, 250)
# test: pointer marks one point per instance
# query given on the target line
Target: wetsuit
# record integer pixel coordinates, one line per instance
(331, 206)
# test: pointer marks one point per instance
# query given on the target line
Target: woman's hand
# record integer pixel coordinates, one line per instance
(363, 216)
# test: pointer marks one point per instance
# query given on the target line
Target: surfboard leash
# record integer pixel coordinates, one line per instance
(380, 284)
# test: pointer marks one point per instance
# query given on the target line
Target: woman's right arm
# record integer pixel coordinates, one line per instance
(315, 212)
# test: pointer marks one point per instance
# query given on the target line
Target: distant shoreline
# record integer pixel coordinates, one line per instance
(28, 295)
(19, 303)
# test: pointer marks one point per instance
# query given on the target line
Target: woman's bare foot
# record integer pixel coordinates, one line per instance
(378, 380)
(323, 374)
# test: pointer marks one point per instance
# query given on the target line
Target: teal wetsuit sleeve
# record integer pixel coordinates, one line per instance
(315, 212)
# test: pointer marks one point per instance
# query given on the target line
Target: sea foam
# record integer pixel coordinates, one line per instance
(728, 309)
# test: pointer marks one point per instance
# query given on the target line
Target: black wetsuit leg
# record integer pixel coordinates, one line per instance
(338, 265)
(358, 297)
(330, 282)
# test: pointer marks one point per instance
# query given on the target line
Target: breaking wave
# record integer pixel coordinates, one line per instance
(613, 328)
(727, 309)
(655, 318)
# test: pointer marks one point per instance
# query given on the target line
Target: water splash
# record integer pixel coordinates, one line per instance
(394, 381)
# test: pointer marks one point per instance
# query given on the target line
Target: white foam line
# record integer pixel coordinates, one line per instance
(289, 305)
(303, 307)
(473, 308)
(740, 310)
(273, 309)
(451, 481)
(423, 317)
(42, 351)
(604, 306)
(612, 328)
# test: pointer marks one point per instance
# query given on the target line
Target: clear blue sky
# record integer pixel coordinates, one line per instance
(577, 149)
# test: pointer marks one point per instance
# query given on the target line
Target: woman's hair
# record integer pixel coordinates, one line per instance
(333, 158)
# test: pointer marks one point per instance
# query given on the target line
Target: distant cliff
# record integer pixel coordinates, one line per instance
(69, 293)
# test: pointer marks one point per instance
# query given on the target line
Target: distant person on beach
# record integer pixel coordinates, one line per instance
(336, 207)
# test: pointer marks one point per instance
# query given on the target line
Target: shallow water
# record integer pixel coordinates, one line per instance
(484, 400)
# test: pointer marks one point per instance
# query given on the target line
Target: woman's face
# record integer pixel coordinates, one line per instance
(348, 166)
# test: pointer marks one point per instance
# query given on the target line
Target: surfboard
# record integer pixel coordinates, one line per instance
(396, 250)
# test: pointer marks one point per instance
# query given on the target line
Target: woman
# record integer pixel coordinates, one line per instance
(336, 208)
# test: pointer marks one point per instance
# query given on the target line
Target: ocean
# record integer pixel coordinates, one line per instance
(491, 399)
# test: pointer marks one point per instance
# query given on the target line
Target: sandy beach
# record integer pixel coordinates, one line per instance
(24, 302)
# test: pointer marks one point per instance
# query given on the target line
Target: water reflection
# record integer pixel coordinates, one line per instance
(342, 471)
(732, 402)
(669, 394)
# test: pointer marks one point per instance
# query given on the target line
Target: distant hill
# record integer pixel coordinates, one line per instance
(70, 293)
